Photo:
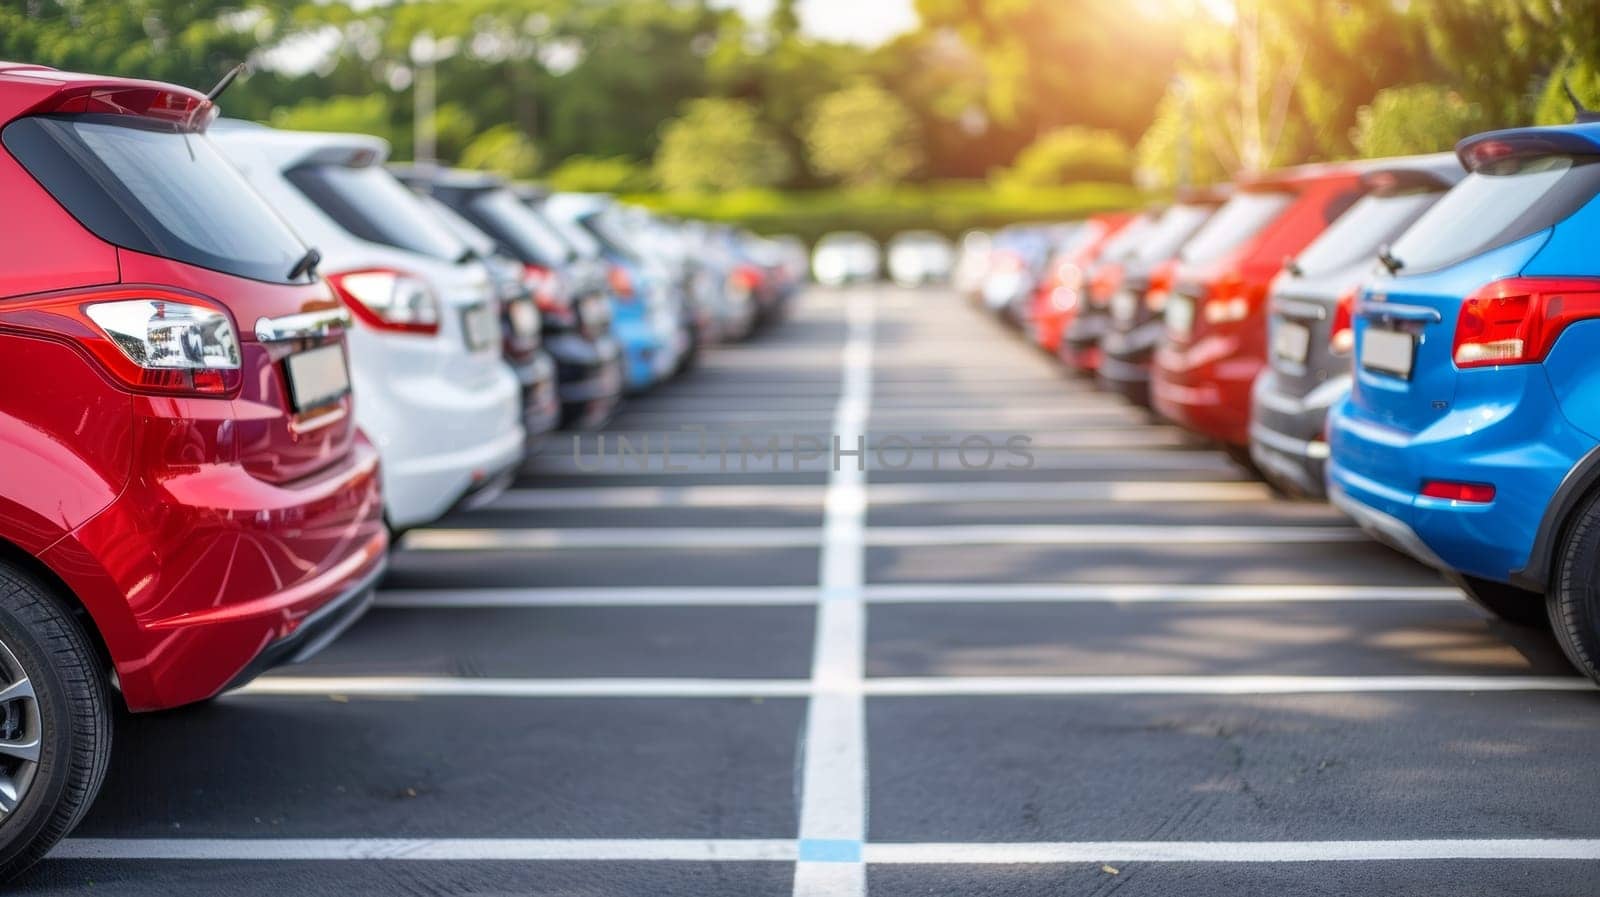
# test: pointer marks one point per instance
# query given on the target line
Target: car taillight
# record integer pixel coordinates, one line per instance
(167, 346)
(1229, 304)
(549, 294)
(1476, 493)
(388, 300)
(1155, 298)
(1342, 335)
(1517, 320)
(621, 284)
(1104, 284)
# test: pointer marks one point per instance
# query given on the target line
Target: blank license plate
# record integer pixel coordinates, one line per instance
(1124, 305)
(1388, 352)
(1180, 315)
(1291, 341)
(480, 327)
(317, 377)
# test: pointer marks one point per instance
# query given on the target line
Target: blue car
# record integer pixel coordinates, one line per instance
(1469, 439)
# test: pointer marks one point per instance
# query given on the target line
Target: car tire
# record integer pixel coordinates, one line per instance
(1518, 607)
(1573, 601)
(70, 719)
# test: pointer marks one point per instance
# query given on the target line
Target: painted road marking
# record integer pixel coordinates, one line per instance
(908, 593)
(839, 683)
(563, 539)
(768, 850)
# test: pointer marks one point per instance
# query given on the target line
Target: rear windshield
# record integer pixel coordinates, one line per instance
(481, 243)
(372, 204)
(609, 231)
(148, 187)
(1240, 218)
(525, 231)
(1126, 242)
(1359, 233)
(581, 240)
(1495, 205)
(1173, 229)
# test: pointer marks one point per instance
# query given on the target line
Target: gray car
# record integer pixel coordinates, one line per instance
(1310, 336)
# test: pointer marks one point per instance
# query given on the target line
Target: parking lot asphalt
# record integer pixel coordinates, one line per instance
(716, 663)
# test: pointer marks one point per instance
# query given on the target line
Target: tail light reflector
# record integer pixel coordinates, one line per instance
(621, 284)
(1342, 335)
(1476, 493)
(389, 300)
(1517, 320)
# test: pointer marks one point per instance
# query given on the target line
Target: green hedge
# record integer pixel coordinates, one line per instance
(948, 207)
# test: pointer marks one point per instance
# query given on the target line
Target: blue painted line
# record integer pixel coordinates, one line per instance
(825, 850)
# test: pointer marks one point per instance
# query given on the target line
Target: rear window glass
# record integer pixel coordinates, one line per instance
(372, 204)
(481, 243)
(1174, 228)
(1125, 243)
(611, 232)
(148, 187)
(581, 240)
(1239, 219)
(519, 226)
(1359, 233)
(1496, 205)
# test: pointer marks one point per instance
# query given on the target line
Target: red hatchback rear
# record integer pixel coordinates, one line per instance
(185, 499)
(1216, 329)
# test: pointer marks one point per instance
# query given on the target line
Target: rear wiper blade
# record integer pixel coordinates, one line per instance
(1389, 261)
(470, 255)
(306, 266)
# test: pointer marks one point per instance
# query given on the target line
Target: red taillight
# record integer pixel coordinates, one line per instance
(1476, 493)
(1516, 321)
(621, 284)
(388, 300)
(1229, 302)
(149, 340)
(549, 294)
(1103, 284)
(1342, 335)
(144, 101)
(746, 278)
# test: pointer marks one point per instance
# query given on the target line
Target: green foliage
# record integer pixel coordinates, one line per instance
(1173, 152)
(1068, 155)
(1555, 107)
(718, 145)
(370, 114)
(1418, 118)
(863, 136)
(950, 207)
(594, 174)
(504, 150)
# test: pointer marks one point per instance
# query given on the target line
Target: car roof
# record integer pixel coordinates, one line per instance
(291, 148)
(1580, 139)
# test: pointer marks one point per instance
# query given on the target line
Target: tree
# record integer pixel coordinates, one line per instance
(1069, 155)
(863, 136)
(718, 145)
(502, 149)
(594, 174)
(1418, 118)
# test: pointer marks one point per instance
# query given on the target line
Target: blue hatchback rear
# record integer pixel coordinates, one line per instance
(1469, 438)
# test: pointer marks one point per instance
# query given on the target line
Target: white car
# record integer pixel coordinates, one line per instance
(845, 257)
(432, 390)
(920, 257)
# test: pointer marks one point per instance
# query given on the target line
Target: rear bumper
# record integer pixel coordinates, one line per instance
(1503, 429)
(203, 580)
(1287, 432)
(541, 400)
(1126, 357)
(1080, 347)
(588, 379)
(1206, 388)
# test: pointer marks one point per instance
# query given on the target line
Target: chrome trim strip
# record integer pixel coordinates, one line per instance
(304, 325)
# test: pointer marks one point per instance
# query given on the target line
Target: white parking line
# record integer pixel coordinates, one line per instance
(1239, 851)
(799, 495)
(840, 690)
(555, 538)
(470, 687)
(1132, 593)
(833, 775)
(908, 593)
(445, 849)
(779, 850)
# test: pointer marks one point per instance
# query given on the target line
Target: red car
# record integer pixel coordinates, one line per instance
(1216, 312)
(1057, 297)
(185, 499)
